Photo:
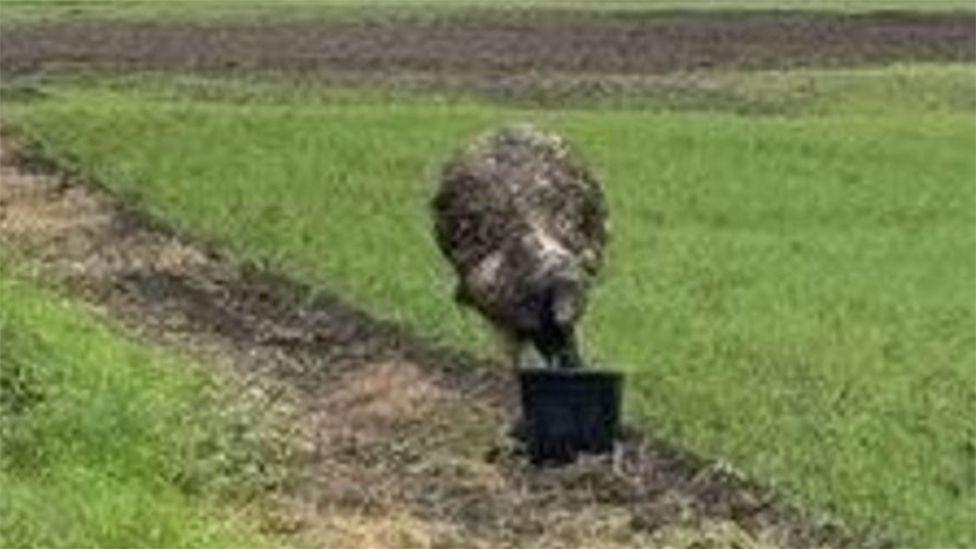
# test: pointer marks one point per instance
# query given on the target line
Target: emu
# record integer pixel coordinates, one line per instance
(524, 225)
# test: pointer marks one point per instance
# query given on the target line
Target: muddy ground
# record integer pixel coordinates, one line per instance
(490, 44)
(404, 443)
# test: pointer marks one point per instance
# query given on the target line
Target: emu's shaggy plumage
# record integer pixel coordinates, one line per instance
(523, 223)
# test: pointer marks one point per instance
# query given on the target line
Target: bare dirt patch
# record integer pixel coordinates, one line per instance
(496, 43)
(405, 443)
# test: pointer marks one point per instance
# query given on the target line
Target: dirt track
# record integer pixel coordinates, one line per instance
(405, 442)
(495, 43)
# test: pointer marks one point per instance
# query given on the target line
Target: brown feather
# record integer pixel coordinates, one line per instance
(523, 223)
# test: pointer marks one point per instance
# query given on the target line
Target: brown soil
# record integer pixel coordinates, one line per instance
(404, 443)
(491, 44)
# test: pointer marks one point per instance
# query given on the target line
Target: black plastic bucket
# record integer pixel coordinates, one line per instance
(568, 412)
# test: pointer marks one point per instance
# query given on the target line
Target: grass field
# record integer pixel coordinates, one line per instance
(792, 294)
(107, 443)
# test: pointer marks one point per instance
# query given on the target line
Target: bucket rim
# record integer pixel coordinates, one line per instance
(570, 374)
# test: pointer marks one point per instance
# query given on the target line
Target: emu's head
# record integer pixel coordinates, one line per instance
(556, 277)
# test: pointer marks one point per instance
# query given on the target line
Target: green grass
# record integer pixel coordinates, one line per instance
(105, 443)
(924, 88)
(793, 294)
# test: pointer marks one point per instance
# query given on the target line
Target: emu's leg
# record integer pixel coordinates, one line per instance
(557, 344)
(567, 354)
